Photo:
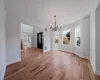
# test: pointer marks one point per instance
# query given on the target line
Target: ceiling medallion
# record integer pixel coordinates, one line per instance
(55, 27)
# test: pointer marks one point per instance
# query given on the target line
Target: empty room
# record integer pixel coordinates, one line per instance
(49, 40)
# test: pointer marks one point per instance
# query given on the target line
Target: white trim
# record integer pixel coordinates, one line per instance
(80, 55)
(40, 26)
(55, 49)
(97, 73)
(93, 66)
(22, 50)
(46, 50)
(51, 50)
(13, 61)
(86, 57)
(3, 73)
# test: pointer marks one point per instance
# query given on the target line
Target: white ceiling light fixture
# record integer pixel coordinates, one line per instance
(55, 27)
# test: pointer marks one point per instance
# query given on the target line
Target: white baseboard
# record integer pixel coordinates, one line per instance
(97, 73)
(2, 73)
(13, 61)
(94, 70)
(46, 50)
(93, 66)
(86, 57)
(54, 49)
(82, 56)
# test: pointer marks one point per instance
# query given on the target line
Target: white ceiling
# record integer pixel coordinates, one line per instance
(41, 12)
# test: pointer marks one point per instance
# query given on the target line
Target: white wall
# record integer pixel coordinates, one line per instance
(2, 40)
(26, 28)
(86, 37)
(12, 38)
(47, 40)
(92, 40)
(84, 49)
(97, 40)
(12, 34)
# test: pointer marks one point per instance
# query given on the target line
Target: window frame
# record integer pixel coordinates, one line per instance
(56, 32)
(77, 34)
(68, 30)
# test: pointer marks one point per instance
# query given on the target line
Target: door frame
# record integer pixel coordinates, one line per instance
(42, 40)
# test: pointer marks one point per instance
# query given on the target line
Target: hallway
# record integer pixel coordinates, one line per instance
(52, 65)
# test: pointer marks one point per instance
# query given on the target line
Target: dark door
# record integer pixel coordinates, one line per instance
(40, 40)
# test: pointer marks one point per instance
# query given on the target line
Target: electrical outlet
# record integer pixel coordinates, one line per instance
(45, 29)
(45, 48)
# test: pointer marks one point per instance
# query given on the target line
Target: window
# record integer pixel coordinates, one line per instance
(56, 37)
(77, 36)
(66, 37)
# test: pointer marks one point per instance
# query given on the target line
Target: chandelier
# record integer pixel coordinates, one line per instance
(55, 27)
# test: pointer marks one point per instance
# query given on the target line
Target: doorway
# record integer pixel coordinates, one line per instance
(40, 40)
(26, 38)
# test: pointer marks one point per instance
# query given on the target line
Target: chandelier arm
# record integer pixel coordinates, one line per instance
(55, 27)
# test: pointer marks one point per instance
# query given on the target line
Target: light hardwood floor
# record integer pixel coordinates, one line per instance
(52, 65)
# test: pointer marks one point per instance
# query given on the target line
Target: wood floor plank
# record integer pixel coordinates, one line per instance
(52, 65)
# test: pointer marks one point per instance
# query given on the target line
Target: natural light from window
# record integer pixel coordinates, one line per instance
(77, 36)
(66, 37)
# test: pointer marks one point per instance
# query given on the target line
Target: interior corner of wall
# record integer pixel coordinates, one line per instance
(86, 57)
(97, 73)
(46, 50)
(80, 55)
(53, 49)
(93, 66)
(13, 61)
(2, 73)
